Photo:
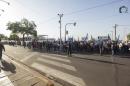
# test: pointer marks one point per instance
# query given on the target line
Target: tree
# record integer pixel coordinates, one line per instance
(24, 27)
(28, 28)
(13, 37)
(2, 36)
(14, 27)
(128, 36)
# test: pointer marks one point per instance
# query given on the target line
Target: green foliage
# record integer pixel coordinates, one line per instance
(13, 37)
(28, 27)
(24, 27)
(128, 36)
(2, 36)
(14, 27)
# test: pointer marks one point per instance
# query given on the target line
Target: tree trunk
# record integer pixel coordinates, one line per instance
(23, 39)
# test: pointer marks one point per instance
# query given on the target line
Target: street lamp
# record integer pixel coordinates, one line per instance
(60, 15)
(66, 32)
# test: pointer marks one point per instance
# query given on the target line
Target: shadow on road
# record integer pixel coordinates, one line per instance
(7, 66)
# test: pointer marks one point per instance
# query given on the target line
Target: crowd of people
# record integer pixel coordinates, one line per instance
(101, 47)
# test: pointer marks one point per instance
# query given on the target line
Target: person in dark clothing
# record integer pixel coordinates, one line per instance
(101, 47)
(1, 48)
(112, 49)
(69, 49)
(24, 44)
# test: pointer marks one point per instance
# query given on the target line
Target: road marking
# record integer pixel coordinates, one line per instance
(17, 52)
(28, 57)
(5, 81)
(59, 74)
(59, 55)
(57, 64)
(56, 58)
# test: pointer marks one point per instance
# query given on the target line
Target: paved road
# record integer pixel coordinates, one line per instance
(79, 72)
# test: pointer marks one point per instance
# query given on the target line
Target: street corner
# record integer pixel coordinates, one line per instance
(14, 74)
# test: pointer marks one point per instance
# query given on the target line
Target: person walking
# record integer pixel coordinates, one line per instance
(1, 49)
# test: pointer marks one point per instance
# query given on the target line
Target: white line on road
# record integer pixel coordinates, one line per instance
(56, 58)
(59, 55)
(57, 64)
(28, 57)
(59, 74)
(17, 52)
(5, 81)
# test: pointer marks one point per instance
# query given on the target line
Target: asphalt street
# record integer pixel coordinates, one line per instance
(94, 70)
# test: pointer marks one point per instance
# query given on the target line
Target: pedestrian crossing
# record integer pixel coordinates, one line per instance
(59, 55)
(65, 63)
(56, 58)
(59, 74)
(57, 64)
(29, 56)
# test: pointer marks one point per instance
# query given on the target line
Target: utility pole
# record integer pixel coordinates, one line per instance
(60, 15)
(115, 30)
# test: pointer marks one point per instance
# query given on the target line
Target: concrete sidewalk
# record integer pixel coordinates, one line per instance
(15, 74)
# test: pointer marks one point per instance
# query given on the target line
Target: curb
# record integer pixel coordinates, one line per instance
(48, 77)
(36, 72)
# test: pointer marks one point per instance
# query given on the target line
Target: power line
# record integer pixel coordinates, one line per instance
(79, 11)
(123, 25)
(97, 6)
(90, 8)
(48, 20)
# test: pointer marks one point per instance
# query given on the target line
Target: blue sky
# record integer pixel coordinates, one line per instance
(95, 22)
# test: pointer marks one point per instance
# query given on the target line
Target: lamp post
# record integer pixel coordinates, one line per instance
(66, 26)
(60, 15)
(115, 27)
